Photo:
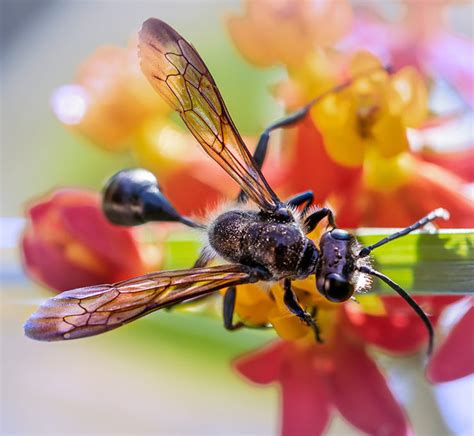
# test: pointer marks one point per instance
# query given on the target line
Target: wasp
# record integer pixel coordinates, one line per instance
(265, 240)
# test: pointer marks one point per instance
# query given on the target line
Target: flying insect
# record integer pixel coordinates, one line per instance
(264, 239)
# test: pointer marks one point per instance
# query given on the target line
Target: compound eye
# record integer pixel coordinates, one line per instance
(337, 289)
(340, 234)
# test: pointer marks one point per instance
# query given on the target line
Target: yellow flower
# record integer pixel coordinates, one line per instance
(286, 31)
(262, 304)
(258, 304)
(365, 124)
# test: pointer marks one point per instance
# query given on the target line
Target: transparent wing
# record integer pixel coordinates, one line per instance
(177, 72)
(97, 309)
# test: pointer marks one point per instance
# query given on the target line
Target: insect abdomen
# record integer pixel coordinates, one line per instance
(227, 232)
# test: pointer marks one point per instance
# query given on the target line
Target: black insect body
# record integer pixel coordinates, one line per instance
(275, 244)
(264, 243)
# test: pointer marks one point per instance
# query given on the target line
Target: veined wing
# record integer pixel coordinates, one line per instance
(179, 75)
(97, 309)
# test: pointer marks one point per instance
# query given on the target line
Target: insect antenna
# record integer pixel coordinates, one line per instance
(437, 213)
(300, 114)
(133, 197)
(346, 84)
(419, 311)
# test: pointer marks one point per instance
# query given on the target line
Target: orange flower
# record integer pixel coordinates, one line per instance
(287, 31)
(110, 99)
(113, 105)
(257, 305)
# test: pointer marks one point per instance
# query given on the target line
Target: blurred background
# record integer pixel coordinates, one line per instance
(168, 373)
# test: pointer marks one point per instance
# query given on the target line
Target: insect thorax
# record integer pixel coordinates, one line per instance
(251, 239)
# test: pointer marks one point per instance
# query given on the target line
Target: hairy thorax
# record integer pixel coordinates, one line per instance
(251, 239)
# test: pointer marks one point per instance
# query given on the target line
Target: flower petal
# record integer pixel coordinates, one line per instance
(305, 401)
(199, 178)
(459, 70)
(286, 31)
(429, 187)
(434, 187)
(455, 357)
(413, 95)
(389, 134)
(112, 243)
(306, 405)
(460, 162)
(48, 264)
(360, 392)
(68, 243)
(253, 304)
(110, 98)
(335, 117)
(400, 331)
(312, 168)
(264, 365)
(386, 174)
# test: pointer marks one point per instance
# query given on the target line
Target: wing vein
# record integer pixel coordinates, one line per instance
(159, 46)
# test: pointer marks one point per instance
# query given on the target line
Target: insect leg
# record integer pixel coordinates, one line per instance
(290, 120)
(262, 145)
(294, 307)
(228, 309)
(419, 311)
(299, 199)
(315, 218)
(205, 256)
(438, 213)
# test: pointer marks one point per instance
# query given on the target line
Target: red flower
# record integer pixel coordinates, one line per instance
(399, 331)
(461, 162)
(68, 243)
(459, 343)
(311, 168)
(193, 190)
(341, 375)
(357, 204)
(317, 379)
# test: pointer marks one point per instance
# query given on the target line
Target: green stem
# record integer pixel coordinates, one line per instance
(440, 263)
